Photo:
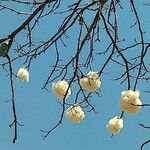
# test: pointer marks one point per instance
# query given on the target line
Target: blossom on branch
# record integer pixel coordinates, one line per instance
(130, 101)
(91, 82)
(23, 74)
(75, 113)
(61, 89)
(115, 125)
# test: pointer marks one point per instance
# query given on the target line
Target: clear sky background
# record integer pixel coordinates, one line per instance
(39, 109)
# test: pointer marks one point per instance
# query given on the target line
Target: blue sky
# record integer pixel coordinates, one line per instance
(39, 109)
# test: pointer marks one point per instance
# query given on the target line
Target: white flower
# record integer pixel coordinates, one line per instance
(75, 113)
(115, 125)
(91, 82)
(129, 101)
(60, 88)
(23, 74)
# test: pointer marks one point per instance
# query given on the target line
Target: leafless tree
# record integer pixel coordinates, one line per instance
(96, 22)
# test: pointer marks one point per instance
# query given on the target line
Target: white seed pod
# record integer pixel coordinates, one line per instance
(115, 125)
(23, 74)
(60, 88)
(129, 101)
(75, 113)
(91, 82)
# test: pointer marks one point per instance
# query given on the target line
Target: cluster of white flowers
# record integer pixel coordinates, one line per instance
(23, 74)
(130, 101)
(60, 89)
(91, 82)
(75, 113)
(115, 125)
